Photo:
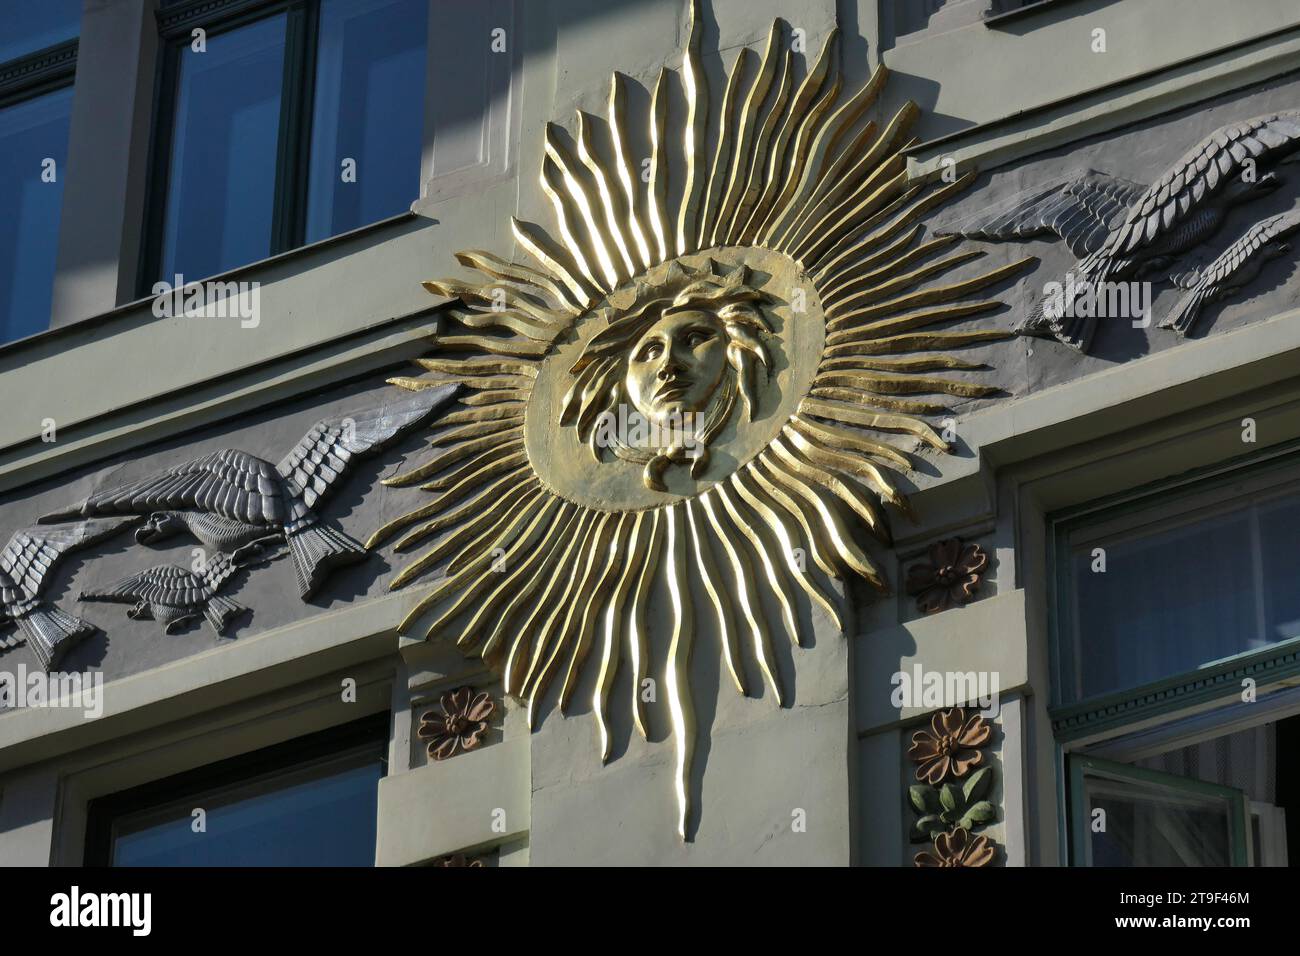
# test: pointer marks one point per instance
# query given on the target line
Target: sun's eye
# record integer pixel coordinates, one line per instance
(650, 351)
(697, 337)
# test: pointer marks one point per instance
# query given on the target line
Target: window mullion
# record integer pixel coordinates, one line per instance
(292, 156)
(160, 148)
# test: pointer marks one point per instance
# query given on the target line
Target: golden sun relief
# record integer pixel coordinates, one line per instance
(705, 377)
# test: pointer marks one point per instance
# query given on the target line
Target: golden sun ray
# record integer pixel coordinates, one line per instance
(561, 546)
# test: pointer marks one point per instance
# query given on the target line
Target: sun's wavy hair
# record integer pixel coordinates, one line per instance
(600, 373)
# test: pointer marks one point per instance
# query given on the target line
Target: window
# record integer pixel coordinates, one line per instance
(221, 172)
(279, 124)
(1220, 788)
(310, 802)
(33, 27)
(1178, 581)
(367, 109)
(1151, 818)
(1177, 648)
(38, 59)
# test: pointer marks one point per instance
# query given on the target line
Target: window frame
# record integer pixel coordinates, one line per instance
(293, 144)
(175, 26)
(30, 77)
(291, 755)
(1079, 766)
(1203, 685)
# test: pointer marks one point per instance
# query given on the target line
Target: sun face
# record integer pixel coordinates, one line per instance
(697, 383)
(675, 367)
(665, 376)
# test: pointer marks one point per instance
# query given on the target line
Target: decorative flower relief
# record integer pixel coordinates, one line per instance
(950, 578)
(460, 726)
(958, 848)
(948, 747)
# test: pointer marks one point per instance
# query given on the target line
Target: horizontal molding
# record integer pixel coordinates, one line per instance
(249, 272)
(34, 73)
(1110, 106)
(995, 20)
(211, 401)
(1207, 685)
(275, 659)
(181, 18)
(1144, 391)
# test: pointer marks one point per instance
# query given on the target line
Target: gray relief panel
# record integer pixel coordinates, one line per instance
(1107, 208)
(170, 557)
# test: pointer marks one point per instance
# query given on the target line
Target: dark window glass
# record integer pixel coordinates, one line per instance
(1179, 593)
(369, 109)
(31, 25)
(32, 134)
(221, 177)
(313, 802)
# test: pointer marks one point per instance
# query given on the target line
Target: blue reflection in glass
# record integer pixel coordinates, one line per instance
(221, 181)
(369, 107)
(29, 27)
(31, 202)
(319, 817)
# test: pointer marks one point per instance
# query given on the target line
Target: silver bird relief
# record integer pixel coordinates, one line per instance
(1233, 269)
(25, 565)
(173, 596)
(230, 500)
(1120, 230)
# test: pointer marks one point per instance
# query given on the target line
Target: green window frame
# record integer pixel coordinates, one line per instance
(1210, 682)
(1236, 806)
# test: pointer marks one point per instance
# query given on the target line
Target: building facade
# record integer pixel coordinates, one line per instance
(548, 432)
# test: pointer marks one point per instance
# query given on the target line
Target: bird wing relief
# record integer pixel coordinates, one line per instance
(1235, 152)
(323, 455)
(1077, 209)
(231, 483)
(27, 561)
(1235, 265)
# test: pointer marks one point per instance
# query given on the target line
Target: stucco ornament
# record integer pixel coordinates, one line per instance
(950, 576)
(958, 848)
(950, 747)
(175, 596)
(700, 379)
(1121, 230)
(25, 564)
(236, 503)
(461, 724)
